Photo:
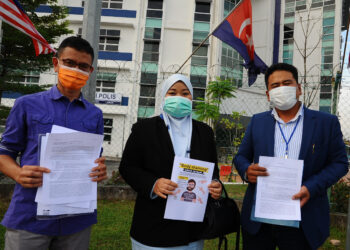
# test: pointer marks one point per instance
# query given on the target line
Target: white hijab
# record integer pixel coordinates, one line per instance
(180, 129)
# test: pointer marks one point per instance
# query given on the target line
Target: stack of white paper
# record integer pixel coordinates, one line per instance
(68, 189)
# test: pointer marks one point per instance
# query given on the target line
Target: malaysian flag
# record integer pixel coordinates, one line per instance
(12, 13)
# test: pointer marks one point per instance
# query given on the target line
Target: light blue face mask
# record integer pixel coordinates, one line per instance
(177, 106)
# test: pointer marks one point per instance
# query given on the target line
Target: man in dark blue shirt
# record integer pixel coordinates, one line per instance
(31, 116)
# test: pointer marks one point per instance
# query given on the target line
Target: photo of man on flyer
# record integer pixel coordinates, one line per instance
(189, 195)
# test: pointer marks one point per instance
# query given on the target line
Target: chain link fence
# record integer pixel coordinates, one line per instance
(133, 81)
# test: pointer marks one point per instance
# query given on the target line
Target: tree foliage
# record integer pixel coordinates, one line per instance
(17, 49)
(208, 109)
(233, 131)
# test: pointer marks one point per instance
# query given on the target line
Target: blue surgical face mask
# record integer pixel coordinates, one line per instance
(177, 106)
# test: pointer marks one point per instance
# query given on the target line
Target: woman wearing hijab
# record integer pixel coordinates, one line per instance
(147, 166)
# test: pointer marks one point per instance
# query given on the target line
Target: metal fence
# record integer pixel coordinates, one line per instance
(124, 78)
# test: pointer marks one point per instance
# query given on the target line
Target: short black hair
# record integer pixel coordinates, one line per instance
(191, 180)
(77, 43)
(281, 67)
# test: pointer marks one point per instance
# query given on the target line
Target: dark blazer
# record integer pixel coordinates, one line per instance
(325, 162)
(149, 155)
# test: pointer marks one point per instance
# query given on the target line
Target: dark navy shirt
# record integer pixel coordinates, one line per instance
(30, 116)
(188, 196)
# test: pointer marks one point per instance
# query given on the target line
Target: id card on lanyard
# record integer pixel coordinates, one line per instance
(284, 137)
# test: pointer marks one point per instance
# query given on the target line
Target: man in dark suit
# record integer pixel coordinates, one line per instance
(293, 131)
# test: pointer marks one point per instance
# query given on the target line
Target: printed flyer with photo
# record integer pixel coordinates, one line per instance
(190, 198)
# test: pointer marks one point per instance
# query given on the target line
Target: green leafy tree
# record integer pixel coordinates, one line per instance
(208, 109)
(233, 135)
(17, 50)
(234, 130)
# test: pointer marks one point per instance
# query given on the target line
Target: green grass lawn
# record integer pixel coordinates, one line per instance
(114, 220)
(236, 191)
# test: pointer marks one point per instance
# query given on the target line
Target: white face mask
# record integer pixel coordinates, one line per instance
(283, 98)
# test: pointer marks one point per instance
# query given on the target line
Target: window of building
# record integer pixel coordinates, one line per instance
(230, 58)
(152, 33)
(326, 88)
(109, 40)
(107, 130)
(199, 60)
(326, 95)
(316, 3)
(198, 81)
(25, 77)
(148, 91)
(231, 61)
(150, 51)
(150, 58)
(326, 109)
(199, 36)
(229, 5)
(300, 5)
(289, 6)
(200, 57)
(327, 41)
(105, 82)
(288, 32)
(198, 92)
(200, 32)
(147, 101)
(202, 13)
(155, 9)
(328, 7)
(155, 4)
(109, 4)
(329, 2)
(30, 77)
(149, 78)
(112, 4)
(288, 40)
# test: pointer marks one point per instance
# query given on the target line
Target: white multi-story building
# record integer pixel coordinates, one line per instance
(142, 42)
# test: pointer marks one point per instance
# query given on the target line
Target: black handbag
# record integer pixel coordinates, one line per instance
(221, 217)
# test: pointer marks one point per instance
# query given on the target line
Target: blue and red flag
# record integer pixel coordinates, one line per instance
(12, 13)
(237, 31)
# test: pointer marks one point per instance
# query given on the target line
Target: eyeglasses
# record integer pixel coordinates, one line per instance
(73, 64)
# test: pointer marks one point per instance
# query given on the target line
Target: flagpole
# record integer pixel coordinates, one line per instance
(201, 44)
(346, 42)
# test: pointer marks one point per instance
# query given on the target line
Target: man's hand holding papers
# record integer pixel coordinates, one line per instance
(253, 171)
(31, 176)
(99, 173)
(303, 195)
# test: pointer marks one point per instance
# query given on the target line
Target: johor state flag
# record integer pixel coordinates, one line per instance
(237, 31)
(12, 13)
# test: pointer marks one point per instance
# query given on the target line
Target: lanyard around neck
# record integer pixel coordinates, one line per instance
(284, 137)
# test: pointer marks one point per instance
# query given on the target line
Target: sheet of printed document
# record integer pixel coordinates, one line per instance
(52, 210)
(190, 198)
(274, 192)
(68, 189)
